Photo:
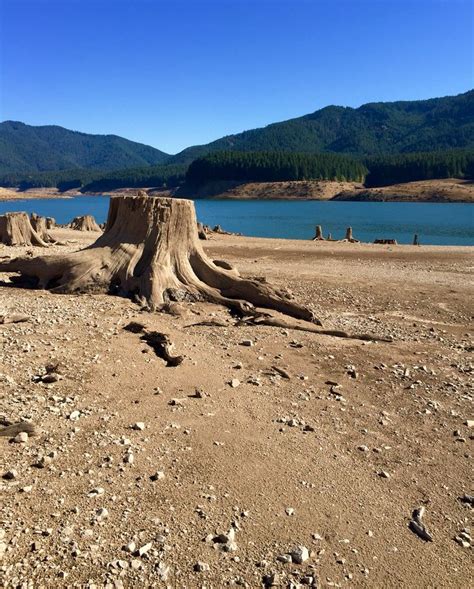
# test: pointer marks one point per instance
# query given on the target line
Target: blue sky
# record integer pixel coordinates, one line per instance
(174, 73)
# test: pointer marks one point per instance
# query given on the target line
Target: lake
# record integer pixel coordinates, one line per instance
(435, 224)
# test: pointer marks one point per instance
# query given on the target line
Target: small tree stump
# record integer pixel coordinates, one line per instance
(84, 223)
(39, 224)
(319, 234)
(50, 223)
(349, 237)
(416, 241)
(16, 229)
(150, 251)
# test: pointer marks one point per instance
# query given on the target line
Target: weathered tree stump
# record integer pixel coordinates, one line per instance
(40, 225)
(319, 234)
(349, 237)
(50, 223)
(16, 229)
(416, 241)
(84, 223)
(150, 251)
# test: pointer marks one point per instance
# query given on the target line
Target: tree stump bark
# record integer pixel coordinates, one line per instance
(40, 225)
(84, 223)
(16, 229)
(150, 251)
(319, 234)
(50, 223)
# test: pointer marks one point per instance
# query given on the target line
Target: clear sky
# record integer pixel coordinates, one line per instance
(174, 73)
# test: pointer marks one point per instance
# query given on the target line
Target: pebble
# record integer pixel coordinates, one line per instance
(234, 383)
(384, 474)
(158, 476)
(74, 415)
(10, 475)
(138, 426)
(201, 567)
(21, 438)
(299, 555)
(144, 549)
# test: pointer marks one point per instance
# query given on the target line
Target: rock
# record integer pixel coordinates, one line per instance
(384, 474)
(74, 416)
(44, 461)
(9, 475)
(158, 476)
(102, 514)
(363, 448)
(289, 511)
(299, 555)
(201, 567)
(247, 342)
(96, 492)
(139, 426)
(469, 422)
(21, 438)
(144, 549)
(234, 383)
(286, 558)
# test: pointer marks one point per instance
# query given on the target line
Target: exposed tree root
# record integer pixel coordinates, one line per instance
(150, 251)
(272, 321)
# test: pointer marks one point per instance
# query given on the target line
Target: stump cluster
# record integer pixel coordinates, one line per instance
(84, 223)
(17, 229)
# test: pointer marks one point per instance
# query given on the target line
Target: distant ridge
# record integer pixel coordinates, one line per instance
(377, 128)
(29, 149)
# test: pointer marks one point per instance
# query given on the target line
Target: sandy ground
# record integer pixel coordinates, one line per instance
(283, 462)
(14, 194)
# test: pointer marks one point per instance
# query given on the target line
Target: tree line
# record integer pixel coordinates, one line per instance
(264, 166)
(409, 167)
(259, 166)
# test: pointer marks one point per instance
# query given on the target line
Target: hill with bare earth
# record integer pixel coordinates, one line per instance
(263, 440)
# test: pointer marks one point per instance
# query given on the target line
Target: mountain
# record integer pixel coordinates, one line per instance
(372, 129)
(28, 149)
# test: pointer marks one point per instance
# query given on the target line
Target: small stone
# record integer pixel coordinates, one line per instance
(74, 415)
(234, 383)
(247, 342)
(384, 474)
(96, 492)
(363, 448)
(130, 547)
(10, 475)
(286, 558)
(290, 511)
(469, 422)
(144, 549)
(299, 555)
(102, 514)
(201, 567)
(21, 438)
(158, 476)
(138, 426)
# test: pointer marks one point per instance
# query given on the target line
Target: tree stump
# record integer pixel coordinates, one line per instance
(40, 225)
(84, 223)
(319, 234)
(416, 241)
(349, 237)
(150, 251)
(16, 229)
(50, 223)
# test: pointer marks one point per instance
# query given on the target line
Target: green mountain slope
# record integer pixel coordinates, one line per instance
(24, 148)
(372, 129)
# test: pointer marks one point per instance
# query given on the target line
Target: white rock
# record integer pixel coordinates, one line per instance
(139, 426)
(21, 438)
(234, 383)
(300, 554)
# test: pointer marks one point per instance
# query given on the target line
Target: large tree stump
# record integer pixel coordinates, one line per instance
(40, 225)
(150, 250)
(16, 229)
(84, 223)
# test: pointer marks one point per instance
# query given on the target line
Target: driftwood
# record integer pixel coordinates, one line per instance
(385, 241)
(15, 428)
(84, 223)
(16, 229)
(160, 342)
(150, 251)
(271, 321)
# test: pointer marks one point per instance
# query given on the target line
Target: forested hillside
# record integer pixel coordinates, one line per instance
(28, 149)
(272, 167)
(372, 129)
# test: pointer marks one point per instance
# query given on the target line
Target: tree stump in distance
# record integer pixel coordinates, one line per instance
(349, 237)
(84, 223)
(50, 223)
(150, 251)
(16, 229)
(416, 240)
(39, 224)
(319, 234)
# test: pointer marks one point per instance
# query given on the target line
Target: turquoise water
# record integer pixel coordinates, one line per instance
(440, 224)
